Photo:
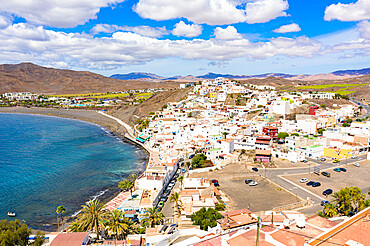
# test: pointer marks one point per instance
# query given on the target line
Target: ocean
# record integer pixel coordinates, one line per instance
(50, 161)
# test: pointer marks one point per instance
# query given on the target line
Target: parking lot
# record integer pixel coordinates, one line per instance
(354, 176)
(264, 196)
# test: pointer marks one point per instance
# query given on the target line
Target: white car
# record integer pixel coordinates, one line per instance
(253, 183)
(304, 180)
(354, 157)
(356, 164)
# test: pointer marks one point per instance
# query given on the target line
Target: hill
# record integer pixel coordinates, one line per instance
(37, 79)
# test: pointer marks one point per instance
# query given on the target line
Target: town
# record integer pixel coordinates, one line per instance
(263, 175)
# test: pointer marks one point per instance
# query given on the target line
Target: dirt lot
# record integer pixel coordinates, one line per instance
(264, 196)
(355, 176)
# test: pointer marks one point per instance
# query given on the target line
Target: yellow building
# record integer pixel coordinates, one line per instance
(213, 95)
(338, 153)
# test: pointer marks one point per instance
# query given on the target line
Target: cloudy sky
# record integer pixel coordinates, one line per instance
(181, 37)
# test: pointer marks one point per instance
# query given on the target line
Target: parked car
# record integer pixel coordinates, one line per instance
(214, 181)
(326, 174)
(337, 169)
(354, 157)
(356, 164)
(327, 192)
(183, 170)
(343, 169)
(247, 181)
(164, 198)
(253, 183)
(255, 169)
(304, 180)
(316, 184)
(305, 160)
(336, 161)
(324, 202)
(310, 183)
(322, 159)
(160, 204)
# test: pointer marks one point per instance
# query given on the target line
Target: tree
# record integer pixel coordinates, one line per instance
(349, 121)
(322, 105)
(118, 226)
(92, 216)
(126, 185)
(60, 210)
(39, 240)
(206, 218)
(283, 135)
(225, 134)
(346, 201)
(294, 134)
(153, 216)
(346, 124)
(321, 130)
(175, 198)
(242, 152)
(14, 233)
(198, 161)
(190, 114)
(180, 179)
(220, 206)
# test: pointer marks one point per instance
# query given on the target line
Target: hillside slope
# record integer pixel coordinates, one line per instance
(37, 79)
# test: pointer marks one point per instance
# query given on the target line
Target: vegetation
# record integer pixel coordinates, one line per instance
(175, 198)
(206, 218)
(118, 226)
(326, 86)
(128, 184)
(346, 202)
(283, 135)
(294, 134)
(198, 161)
(242, 152)
(320, 131)
(322, 105)
(153, 216)
(14, 233)
(60, 210)
(220, 206)
(346, 124)
(92, 217)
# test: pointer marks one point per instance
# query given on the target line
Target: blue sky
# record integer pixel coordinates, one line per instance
(184, 37)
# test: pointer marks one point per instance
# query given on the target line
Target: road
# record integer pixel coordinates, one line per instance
(275, 175)
(365, 106)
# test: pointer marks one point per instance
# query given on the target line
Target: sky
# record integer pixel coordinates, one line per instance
(183, 37)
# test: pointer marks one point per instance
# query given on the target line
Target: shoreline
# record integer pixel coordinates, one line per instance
(88, 116)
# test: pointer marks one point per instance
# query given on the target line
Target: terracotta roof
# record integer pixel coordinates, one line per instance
(321, 222)
(70, 239)
(263, 152)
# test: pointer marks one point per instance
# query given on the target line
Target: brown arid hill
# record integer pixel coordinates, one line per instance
(131, 114)
(28, 77)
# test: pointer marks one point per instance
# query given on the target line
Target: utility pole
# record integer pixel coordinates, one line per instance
(258, 231)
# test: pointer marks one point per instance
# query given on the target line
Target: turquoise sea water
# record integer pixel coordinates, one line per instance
(49, 161)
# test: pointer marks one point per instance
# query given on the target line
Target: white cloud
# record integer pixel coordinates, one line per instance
(228, 33)
(5, 21)
(212, 12)
(288, 28)
(261, 11)
(147, 31)
(56, 13)
(357, 11)
(190, 30)
(364, 29)
(22, 42)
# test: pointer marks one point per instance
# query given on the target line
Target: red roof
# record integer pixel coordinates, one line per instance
(70, 239)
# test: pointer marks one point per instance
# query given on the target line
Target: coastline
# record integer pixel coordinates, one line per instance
(90, 116)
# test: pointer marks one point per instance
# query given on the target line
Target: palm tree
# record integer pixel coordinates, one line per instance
(225, 134)
(92, 216)
(118, 226)
(330, 210)
(60, 210)
(153, 216)
(133, 177)
(242, 152)
(126, 185)
(180, 179)
(175, 198)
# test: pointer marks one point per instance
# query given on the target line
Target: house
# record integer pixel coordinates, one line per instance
(312, 110)
(263, 155)
(71, 239)
(271, 131)
(236, 219)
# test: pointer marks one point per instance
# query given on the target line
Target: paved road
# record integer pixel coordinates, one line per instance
(275, 176)
(365, 106)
